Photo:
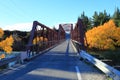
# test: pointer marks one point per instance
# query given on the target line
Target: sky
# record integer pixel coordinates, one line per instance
(20, 14)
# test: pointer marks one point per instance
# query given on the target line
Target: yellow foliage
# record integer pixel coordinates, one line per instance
(1, 33)
(35, 40)
(39, 39)
(103, 37)
(45, 39)
(7, 43)
(2, 56)
(7, 49)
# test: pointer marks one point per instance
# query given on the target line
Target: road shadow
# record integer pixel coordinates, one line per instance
(53, 65)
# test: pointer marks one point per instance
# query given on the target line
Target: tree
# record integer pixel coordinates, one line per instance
(54, 28)
(86, 21)
(2, 56)
(101, 18)
(104, 37)
(6, 44)
(1, 33)
(116, 17)
(18, 44)
(37, 40)
(95, 19)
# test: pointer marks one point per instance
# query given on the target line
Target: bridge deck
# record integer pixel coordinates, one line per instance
(60, 63)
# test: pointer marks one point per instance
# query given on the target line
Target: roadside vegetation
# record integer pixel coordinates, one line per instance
(5, 44)
(103, 34)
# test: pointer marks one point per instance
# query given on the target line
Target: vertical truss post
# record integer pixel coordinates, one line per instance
(81, 32)
(52, 37)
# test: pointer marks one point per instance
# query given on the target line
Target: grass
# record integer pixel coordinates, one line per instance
(109, 79)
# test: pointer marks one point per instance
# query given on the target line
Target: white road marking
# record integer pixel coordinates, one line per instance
(78, 73)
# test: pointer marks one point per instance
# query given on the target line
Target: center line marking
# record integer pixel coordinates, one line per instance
(78, 73)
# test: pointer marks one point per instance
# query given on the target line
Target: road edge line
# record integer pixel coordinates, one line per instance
(78, 73)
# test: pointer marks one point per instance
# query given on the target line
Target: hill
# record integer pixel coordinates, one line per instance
(20, 39)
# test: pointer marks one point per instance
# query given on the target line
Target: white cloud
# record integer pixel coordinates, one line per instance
(1, 26)
(19, 26)
(25, 26)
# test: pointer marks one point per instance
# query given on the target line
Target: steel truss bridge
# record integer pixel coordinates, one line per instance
(50, 56)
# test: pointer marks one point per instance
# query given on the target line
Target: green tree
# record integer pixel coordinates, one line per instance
(86, 21)
(95, 19)
(101, 18)
(116, 17)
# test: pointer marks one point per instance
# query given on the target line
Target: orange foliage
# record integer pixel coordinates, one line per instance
(1, 33)
(45, 39)
(39, 39)
(117, 36)
(7, 43)
(104, 37)
(2, 56)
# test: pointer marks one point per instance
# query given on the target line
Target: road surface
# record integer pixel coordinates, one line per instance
(60, 63)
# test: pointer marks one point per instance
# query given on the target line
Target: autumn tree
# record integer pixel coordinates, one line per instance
(104, 37)
(37, 40)
(6, 44)
(2, 56)
(39, 43)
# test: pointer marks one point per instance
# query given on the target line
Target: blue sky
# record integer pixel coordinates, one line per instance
(19, 14)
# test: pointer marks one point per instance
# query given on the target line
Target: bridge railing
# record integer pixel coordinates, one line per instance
(9, 61)
(42, 38)
(77, 35)
(108, 70)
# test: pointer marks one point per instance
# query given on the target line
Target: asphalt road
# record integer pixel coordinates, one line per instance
(60, 63)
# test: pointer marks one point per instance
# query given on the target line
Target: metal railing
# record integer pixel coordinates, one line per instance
(108, 70)
(78, 38)
(78, 33)
(7, 61)
(50, 37)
